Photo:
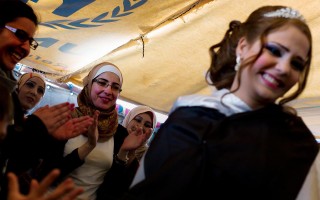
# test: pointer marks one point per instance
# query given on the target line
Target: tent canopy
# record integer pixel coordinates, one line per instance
(160, 46)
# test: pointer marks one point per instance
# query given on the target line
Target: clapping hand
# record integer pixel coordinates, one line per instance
(73, 128)
(136, 138)
(93, 134)
(39, 191)
(55, 116)
(59, 123)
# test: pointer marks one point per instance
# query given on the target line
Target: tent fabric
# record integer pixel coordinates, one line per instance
(160, 46)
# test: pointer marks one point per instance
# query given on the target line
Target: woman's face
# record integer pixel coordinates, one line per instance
(142, 121)
(12, 49)
(278, 68)
(104, 93)
(31, 93)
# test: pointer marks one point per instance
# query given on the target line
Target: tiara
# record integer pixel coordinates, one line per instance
(286, 13)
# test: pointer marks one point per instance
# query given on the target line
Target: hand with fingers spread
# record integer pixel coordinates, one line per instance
(136, 138)
(140, 130)
(73, 128)
(55, 116)
(39, 191)
(133, 141)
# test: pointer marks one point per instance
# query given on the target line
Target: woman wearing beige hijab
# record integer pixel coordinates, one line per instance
(140, 118)
(37, 191)
(100, 145)
(30, 89)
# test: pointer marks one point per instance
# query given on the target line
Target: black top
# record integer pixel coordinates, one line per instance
(26, 144)
(199, 152)
(119, 177)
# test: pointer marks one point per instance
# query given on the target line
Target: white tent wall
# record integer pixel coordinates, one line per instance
(55, 95)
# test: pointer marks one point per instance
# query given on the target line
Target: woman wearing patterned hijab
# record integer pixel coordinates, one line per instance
(97, 95)
(100, 144)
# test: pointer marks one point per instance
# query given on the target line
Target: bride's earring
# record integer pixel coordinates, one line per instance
(238, 61)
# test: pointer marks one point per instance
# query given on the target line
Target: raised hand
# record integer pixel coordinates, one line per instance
(73, 128)
(39, 191)
(136, 138)
(55, 116)
(93, 136)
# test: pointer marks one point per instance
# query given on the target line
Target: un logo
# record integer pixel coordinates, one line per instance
(68, 8)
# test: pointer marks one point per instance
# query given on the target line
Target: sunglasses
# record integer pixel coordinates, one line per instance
(23, 36)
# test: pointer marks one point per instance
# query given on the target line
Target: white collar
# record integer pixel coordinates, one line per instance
(231, 103)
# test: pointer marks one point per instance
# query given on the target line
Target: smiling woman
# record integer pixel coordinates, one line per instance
(140, 120)
(18, 24)
(31, 88)
(102, 87)
(39, 133)
(242, 141)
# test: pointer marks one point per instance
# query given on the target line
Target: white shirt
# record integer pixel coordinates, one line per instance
(90, 175)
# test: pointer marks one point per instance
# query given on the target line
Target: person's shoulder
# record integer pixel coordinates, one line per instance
(192, 101)
(198, 105)
(196, 100)
(276, 110)
(196, 112)
(121, 130)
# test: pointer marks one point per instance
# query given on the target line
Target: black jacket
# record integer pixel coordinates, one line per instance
(119, 177)
(198, 152)
(26, 144)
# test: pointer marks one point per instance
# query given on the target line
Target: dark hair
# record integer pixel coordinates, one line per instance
(12, 9)
(6, 104)
(221, 72)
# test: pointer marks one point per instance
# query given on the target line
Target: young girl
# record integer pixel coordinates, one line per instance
(241, 142)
